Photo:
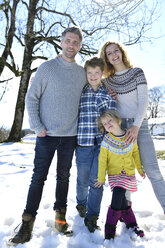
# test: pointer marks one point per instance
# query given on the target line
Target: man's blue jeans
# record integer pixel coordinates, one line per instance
(44, 153)
(87, 169)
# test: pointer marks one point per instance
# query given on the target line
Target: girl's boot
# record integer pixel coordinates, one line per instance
(130, 221)
(112, 218)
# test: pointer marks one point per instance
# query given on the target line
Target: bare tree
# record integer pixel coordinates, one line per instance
(10, 15)
(15, 134)
(4, 89)
(39, 23)
(155, 99)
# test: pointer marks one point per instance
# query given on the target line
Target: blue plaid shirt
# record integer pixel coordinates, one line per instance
(92, 104)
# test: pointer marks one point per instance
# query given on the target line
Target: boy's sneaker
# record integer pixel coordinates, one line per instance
(60, 223)
(82, 210)
(25, 232)
(91, 224)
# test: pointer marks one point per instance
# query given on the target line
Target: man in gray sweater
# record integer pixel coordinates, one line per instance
(52, 104)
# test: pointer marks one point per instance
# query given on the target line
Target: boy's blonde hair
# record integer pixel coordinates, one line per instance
(108, 113)
(93, 62)
(109, 69)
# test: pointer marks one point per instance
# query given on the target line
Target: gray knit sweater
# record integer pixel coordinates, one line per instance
(52, 100)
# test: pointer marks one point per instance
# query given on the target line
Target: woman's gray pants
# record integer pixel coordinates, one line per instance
(149, 159)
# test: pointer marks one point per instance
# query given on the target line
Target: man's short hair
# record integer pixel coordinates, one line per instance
(75, 30)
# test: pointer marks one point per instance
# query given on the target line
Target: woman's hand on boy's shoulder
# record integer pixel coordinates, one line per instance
(112, 93)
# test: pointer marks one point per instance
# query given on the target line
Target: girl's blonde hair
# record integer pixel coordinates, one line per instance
(109, 69)
(108, 113)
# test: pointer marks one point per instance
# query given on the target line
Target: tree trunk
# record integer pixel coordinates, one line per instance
(15, 133)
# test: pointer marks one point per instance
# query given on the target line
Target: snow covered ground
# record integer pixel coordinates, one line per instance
(16, 165)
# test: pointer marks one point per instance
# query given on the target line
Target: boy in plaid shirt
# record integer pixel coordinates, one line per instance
(94, 100)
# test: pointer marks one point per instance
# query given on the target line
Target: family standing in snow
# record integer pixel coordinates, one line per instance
(53, 108)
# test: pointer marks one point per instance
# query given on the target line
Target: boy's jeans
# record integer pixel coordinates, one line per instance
(44, 152)
(87, 169)
(148, 159)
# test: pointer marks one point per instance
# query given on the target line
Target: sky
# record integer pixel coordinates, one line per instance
(16, 165)
(149, 56)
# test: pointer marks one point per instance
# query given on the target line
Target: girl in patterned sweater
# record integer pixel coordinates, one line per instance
(119, 159)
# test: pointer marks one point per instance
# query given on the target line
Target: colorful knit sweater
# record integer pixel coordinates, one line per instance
(132, 93)
(116, 155)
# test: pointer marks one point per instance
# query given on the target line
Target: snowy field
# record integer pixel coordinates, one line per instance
(16, 165)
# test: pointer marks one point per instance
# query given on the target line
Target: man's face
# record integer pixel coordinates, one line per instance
(70, 46)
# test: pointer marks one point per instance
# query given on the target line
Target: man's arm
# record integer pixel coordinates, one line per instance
(32, 101)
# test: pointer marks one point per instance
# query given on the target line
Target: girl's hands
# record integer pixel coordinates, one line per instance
(132, 134)
(143, 175)
(98, 184)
